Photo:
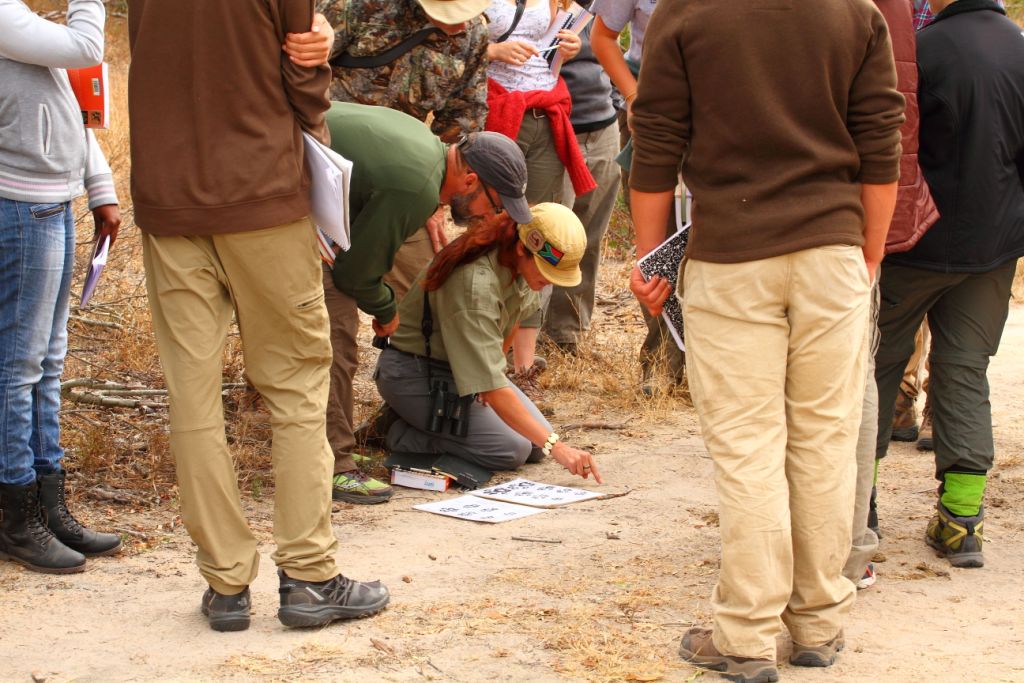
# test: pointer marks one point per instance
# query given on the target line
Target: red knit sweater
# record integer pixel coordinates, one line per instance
(505, 115)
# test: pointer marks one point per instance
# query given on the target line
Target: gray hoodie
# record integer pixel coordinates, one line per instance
(46, 154)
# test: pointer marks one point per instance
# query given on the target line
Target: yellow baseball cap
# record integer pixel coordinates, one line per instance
(557, 240)
(453, 11)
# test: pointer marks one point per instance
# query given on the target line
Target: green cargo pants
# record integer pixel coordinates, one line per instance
(966, 314)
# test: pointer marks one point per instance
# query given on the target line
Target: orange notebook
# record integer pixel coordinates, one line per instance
(90, 87)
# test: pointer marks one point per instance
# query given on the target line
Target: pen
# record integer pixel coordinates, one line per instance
(547, 49)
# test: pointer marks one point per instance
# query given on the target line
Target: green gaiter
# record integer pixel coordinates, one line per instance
(962, 493)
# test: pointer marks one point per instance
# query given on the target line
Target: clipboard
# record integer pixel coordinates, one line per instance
(96, 264)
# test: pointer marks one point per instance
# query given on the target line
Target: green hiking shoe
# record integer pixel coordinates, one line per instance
(960, 539)
(359, 488)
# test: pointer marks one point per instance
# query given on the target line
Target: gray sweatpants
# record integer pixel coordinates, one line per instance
(865, 541)
(570, 308)
(402, 382)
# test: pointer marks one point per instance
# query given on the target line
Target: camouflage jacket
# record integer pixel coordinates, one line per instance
(446, 75)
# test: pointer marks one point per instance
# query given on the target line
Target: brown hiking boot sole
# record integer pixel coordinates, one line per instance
(817, 656)
(736, 669)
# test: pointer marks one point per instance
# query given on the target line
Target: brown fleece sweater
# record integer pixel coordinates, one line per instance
(777, 111)
(217, 111)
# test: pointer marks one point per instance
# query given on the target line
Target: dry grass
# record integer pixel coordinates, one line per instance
(1015, 10)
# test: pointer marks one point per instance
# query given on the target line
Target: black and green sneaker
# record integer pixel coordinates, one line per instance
(959, 538)
(359, 488)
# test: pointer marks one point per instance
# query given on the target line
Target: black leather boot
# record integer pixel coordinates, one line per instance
(25, 539)
(64, 526)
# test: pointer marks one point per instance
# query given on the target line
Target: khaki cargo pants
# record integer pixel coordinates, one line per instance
(776, 352)
(270, 280)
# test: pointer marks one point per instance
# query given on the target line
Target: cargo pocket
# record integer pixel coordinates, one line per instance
(311, 327)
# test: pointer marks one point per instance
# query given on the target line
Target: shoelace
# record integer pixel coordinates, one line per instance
(338, 590)
(527, 381)
(69, 521)
(35, 521)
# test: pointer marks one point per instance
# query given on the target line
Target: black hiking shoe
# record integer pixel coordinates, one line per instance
(309, 603)
(226, 612)
(25, 539)
(54, 507)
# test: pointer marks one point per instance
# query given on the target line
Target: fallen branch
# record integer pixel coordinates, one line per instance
(80, 414)
(122, 497)
(110, 401)
(132, 532)
(134, 392)
(113, 395)
(97, 323)
(615, 495)
(529, 539)
(593, 425)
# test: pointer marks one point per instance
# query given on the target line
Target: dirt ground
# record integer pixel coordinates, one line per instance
(605, 600)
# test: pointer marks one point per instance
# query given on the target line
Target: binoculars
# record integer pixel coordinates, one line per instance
(448, 411)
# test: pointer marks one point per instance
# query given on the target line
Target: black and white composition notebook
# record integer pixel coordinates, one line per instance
(664, 260)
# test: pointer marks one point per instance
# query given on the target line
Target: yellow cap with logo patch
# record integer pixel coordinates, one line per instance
(557, 240)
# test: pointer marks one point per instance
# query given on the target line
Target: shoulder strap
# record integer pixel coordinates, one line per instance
(427, 329)
(347, 61)
(520, 6)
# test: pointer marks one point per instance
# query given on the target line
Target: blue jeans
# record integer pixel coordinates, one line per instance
(37, 248)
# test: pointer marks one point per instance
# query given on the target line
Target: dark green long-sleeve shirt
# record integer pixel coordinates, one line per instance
(398, 168)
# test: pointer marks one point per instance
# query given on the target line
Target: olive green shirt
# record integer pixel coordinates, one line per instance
(473, 312)
(398, 166)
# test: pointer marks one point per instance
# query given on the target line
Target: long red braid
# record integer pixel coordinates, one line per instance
(478, 239)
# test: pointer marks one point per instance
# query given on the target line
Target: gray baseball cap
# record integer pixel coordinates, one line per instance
(499, 163)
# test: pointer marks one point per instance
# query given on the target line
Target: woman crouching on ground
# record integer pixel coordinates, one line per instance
(443, 374)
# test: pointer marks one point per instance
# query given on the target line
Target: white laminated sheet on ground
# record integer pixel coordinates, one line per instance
(535, 494)
(512, 500)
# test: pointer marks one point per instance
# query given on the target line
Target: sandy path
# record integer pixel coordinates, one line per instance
(592, 607)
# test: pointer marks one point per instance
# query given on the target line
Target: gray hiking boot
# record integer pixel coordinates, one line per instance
(960, 539)
(317, 603)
